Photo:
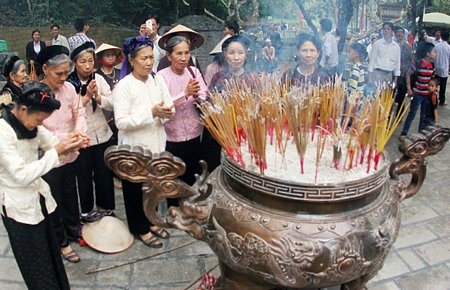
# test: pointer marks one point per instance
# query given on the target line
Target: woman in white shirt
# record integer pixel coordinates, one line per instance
(25, 197)
(142, 104)
(91, 170)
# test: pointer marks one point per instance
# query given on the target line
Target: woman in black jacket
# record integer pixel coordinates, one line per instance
(33, 48)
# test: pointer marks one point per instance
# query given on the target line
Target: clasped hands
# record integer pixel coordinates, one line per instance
(192, 89)
(92, 94)
(72, 143)
(162, 111)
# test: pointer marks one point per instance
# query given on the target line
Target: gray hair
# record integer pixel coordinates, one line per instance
(90, 49)
(57, 60)
(174, 41)
(16, 66)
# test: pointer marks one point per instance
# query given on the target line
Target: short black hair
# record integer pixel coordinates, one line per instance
(444, 35)
(423, 49)
(233, 24)
(398, 27)
(153, 16)
(326, 24)
(54, 25)
(388, 23)
(359, 48)
(236, 38)
(304, 37)
(79, 24)
(34, 31)
(435, 81)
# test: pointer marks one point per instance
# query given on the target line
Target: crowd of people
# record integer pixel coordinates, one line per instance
(55, 132)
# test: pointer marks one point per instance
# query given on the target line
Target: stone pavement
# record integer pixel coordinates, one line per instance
(419, 260)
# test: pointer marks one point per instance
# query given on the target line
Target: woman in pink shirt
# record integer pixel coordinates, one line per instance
(186, 86)
(63, 122)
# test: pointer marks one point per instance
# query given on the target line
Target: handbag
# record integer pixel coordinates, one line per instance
(33, 75)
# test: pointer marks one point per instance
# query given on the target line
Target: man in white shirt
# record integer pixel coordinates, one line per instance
(384, 61)
(58, 39)
(330, 54)
(441, 64)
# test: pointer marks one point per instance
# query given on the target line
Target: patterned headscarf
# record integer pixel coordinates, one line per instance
(131, 45)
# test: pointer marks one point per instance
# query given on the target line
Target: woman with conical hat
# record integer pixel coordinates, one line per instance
(218, 62)
(186, 86)
(107, 57)
(194, 37)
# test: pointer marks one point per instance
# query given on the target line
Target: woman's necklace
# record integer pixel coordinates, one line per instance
(111, 76)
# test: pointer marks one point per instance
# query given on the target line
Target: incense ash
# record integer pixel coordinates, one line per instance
(311, 133)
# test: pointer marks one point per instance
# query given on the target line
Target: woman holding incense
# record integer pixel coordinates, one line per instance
(15, 72)
(95, 94)
(186, 86)
(309, 53)
(25, 197)
(235, 53)
(142, 104)
(68, 120)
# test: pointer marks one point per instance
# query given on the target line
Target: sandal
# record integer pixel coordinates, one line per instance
(71, 257)
(152, 241)
(160, 233)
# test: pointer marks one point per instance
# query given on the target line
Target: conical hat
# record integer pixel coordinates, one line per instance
(106, 46)
(108, 235)
(218, 48)
(195, 38)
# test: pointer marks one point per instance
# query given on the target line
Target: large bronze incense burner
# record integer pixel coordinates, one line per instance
(268, 233)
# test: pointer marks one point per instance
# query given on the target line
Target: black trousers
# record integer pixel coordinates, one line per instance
(37, 254)
(138, 222)
(210, 150)
(400, 94)
(91, 169)
(442, 89)
(66, 218)
(190, 152)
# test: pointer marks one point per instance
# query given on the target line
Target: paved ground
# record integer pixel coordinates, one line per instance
(420, 259)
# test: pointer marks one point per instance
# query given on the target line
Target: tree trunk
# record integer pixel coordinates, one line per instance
(412, 17)
(30, 10)
(420, 8)
(255, 15)
(345, 15)
(307, 17)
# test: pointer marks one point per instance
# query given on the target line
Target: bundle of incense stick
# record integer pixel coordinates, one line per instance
(267, 111)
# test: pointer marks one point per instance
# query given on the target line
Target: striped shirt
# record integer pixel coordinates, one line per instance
(357, 79)
(423, 73)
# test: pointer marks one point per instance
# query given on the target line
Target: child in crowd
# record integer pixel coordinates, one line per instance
(358, 75)
(357, 80)
(432, 114)
(417, 82)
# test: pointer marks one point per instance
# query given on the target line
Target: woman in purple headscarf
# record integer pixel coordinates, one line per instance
(142, 104)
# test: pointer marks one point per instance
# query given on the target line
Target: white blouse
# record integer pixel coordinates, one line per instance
(97, 126)
(133, 101)
(20, 173)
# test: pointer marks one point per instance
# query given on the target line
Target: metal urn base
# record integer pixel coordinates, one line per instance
(272, 234)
